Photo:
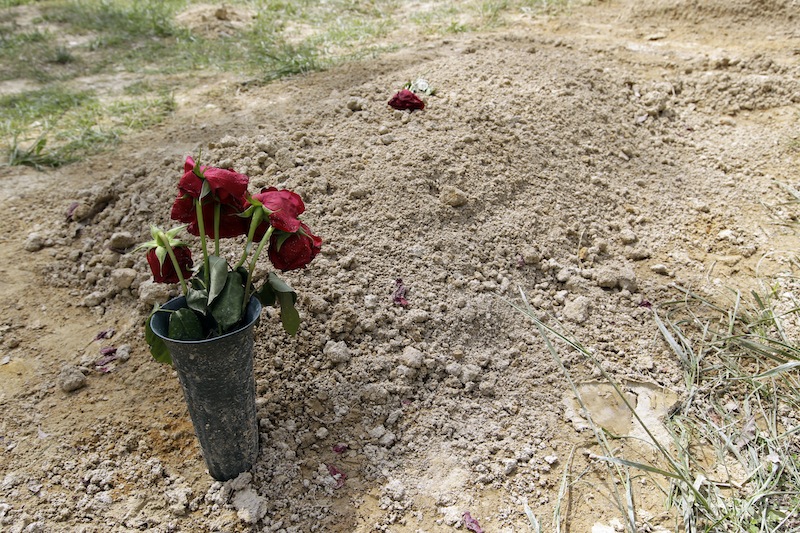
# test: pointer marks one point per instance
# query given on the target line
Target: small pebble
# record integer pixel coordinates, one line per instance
(71, 378)
(452, 196)
(337, 352)
(411, 357)
(627, 236)
(660, 268)
(34, 242)
(577, 310)
(121, 240)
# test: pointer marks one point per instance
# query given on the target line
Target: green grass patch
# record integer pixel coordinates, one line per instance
(15, 3)
(127, 20)
(56, 126)
(70, 39)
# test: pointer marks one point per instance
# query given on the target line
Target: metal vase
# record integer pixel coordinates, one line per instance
(216, 376)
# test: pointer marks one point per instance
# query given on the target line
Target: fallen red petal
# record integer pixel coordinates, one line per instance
(399, 294)
(71, 210)
(105, 334)
(339, 448)
(337, 475)
(471, 524)
(104, 361)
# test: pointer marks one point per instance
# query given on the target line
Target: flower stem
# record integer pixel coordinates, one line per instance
(201, 227)
(217, 210)
(253, 261)
(254, 222)
(165, 242)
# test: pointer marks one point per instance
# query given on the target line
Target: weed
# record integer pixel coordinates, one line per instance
(63, 56)
(71, 125)
(34, 155)
(130, 19)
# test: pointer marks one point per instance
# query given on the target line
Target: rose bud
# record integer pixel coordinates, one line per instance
(296, 251)
(165, 272)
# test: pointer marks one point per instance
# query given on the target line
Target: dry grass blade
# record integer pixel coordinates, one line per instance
(736, 407)
(624, 502)
(741, 410)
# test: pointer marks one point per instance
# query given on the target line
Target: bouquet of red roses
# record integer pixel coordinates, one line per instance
(214, 204)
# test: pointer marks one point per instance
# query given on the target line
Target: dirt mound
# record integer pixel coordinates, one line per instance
(590, 174)
(784, 11)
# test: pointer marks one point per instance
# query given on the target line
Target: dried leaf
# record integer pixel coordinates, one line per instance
(109, 354)
(748, 433)
(104, 361)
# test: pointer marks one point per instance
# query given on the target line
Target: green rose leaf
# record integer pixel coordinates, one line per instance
(275, 289)
(242, 271)
(158, 348)
(266, 295)
(185, 326)
(218, 269)
(205, 190)
(289, 315)
(227, 307)
(197, 299)
(280, 286)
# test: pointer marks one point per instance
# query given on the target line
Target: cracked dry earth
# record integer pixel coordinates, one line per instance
(590, 159)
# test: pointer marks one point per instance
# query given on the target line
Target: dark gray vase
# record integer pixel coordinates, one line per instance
(219, 387)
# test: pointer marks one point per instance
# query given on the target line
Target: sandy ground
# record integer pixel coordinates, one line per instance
(591, 160)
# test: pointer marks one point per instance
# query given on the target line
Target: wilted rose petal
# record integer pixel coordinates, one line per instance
(105, 334)
(337, 475)
(645, 303)
(105, 360)
(471, 524)
(399, 294)
(339, 448)
(108, 350)
(405, 99)
(71, 210)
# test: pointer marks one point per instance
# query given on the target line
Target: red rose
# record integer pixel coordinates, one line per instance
(228, 188)
(230, 223)
(284, 206)
(296, 251)
(405, 99)
(166, 273)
